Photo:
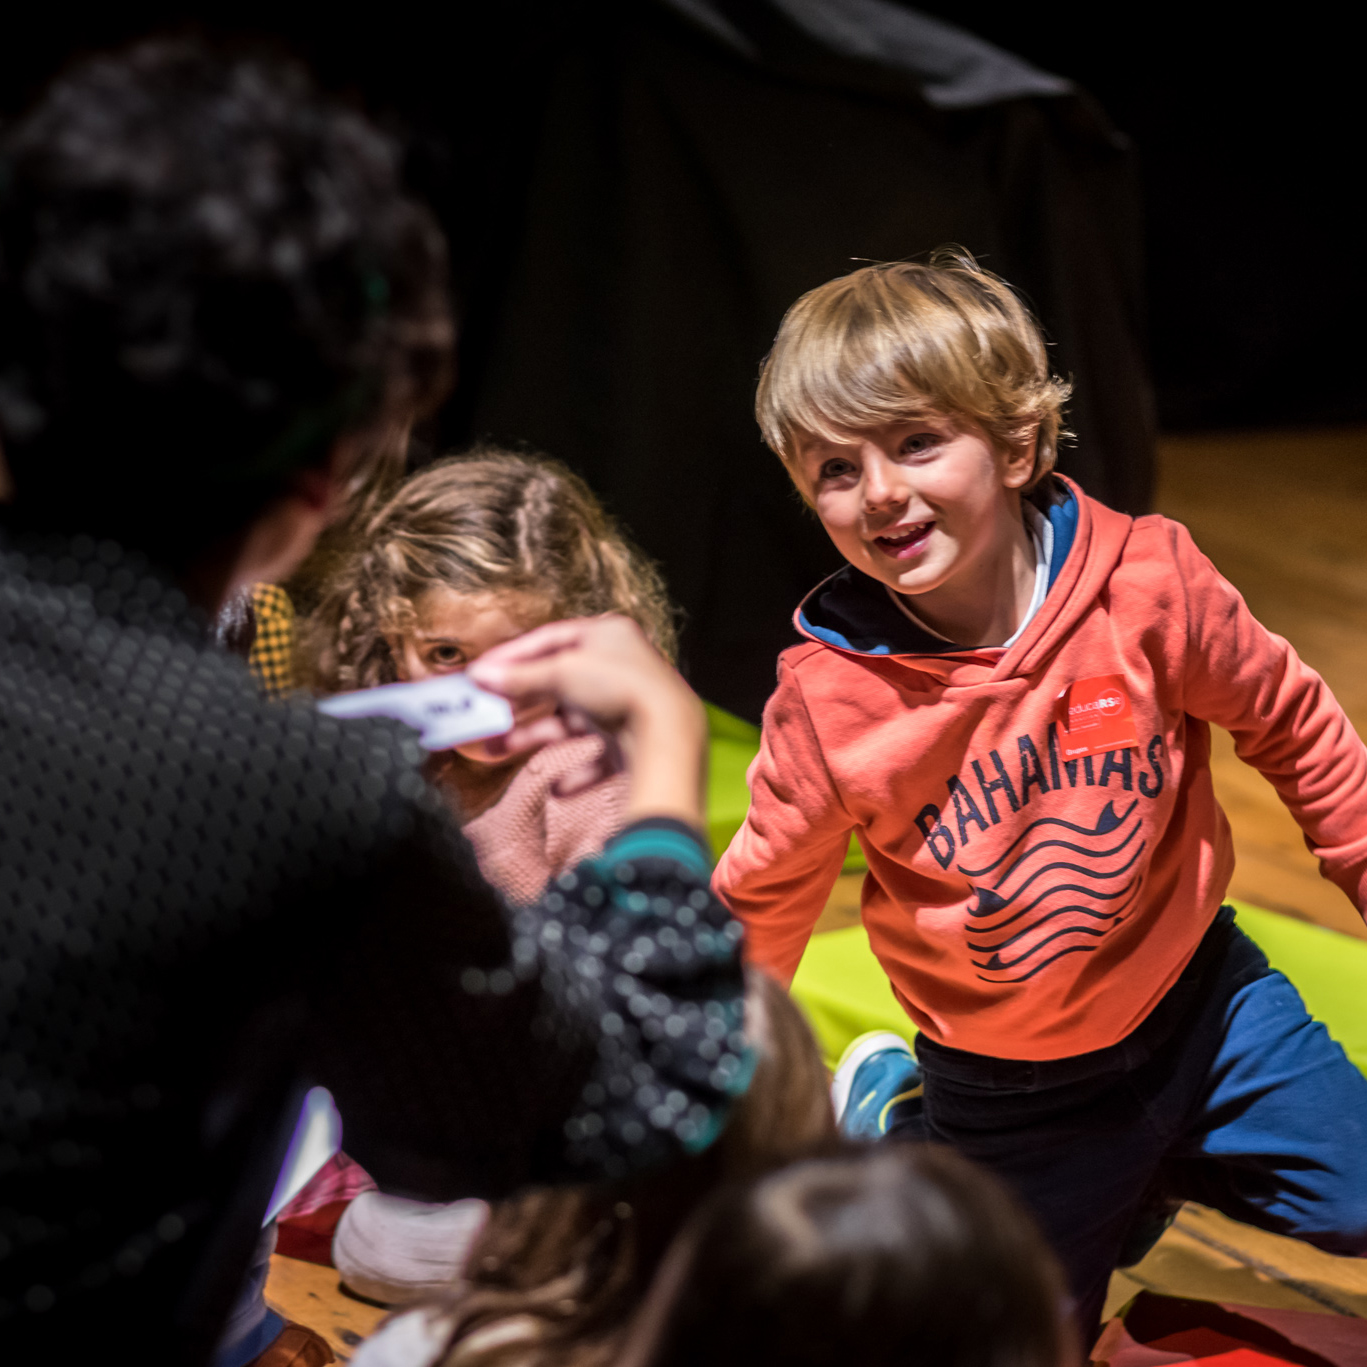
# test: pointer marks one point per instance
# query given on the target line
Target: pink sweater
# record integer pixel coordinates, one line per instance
(530, 835)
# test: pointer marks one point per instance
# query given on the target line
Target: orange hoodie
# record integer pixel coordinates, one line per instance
(1024, 904)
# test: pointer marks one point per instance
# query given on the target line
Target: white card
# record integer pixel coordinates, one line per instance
(317, 1136)
(448, 710)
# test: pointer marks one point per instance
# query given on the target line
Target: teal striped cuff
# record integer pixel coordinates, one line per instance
(658, 842)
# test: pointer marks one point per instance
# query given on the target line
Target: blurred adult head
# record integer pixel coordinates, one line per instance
(215, 295)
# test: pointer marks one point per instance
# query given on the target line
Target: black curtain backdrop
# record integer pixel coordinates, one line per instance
(1248, 127)
(680, 198)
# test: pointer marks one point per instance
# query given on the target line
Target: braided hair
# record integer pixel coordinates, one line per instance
(489, 521)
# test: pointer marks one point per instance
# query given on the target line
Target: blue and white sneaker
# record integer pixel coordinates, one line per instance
(877, 1086)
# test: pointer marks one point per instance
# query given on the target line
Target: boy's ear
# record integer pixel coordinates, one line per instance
(1019, 466)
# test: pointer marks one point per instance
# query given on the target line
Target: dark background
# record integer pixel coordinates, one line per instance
(1248, 130)
(631, 207)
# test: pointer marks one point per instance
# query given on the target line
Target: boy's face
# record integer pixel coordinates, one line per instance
(920, 505)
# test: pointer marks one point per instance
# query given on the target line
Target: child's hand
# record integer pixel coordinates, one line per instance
(602, 674)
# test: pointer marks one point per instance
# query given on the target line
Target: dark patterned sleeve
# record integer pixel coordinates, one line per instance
(473, 1048)
(635, 943)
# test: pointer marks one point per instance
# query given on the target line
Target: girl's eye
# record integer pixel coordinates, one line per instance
(446, 655)
(836, 469)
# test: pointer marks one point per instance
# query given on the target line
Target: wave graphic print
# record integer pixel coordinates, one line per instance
(1087, 883)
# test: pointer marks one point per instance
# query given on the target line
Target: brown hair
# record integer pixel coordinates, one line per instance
(890, 1255)
(894, 341)
(489, 521)
(558, 1273)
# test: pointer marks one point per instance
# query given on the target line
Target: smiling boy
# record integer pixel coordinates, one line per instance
(1007, 695)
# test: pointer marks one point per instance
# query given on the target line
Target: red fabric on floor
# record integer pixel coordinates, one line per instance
(1240, 1357)
(309, 1237)
(308, 1222)
(1156, 1331)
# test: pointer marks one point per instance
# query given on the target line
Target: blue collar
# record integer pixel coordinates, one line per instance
(852, 611)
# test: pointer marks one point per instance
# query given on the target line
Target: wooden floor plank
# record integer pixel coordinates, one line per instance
(1284, 518)
(1207, 1256)
(312, 1295)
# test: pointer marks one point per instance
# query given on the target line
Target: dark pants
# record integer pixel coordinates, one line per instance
(1228, 1094)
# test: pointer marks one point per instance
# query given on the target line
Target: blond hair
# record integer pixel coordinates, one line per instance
(896, 341)
(490, 521)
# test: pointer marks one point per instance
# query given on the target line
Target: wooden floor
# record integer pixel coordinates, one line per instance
(312, 1295)
(1284, 517)
(1206, 1256)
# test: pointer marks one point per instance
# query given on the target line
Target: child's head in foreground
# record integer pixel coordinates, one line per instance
(464, 555)
(913, 406)
(896, 1255)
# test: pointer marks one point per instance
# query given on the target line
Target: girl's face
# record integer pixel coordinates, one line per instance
(453, 629)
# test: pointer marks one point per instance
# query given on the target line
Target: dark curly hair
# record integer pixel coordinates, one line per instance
(207, 274)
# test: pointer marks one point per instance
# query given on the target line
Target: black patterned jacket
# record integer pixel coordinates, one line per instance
(209, 901)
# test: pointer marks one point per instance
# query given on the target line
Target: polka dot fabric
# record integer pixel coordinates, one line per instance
(210, 901)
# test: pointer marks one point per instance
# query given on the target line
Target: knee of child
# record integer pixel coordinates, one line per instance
(888, 1255)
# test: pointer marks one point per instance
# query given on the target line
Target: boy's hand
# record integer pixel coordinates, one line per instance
(601, 673)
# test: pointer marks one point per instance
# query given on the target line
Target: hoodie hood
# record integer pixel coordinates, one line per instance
(851, 611)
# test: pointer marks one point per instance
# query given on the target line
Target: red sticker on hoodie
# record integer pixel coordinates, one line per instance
(1096, 716)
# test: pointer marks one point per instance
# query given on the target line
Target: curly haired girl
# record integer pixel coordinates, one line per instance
(467, 553)
(423, 578)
